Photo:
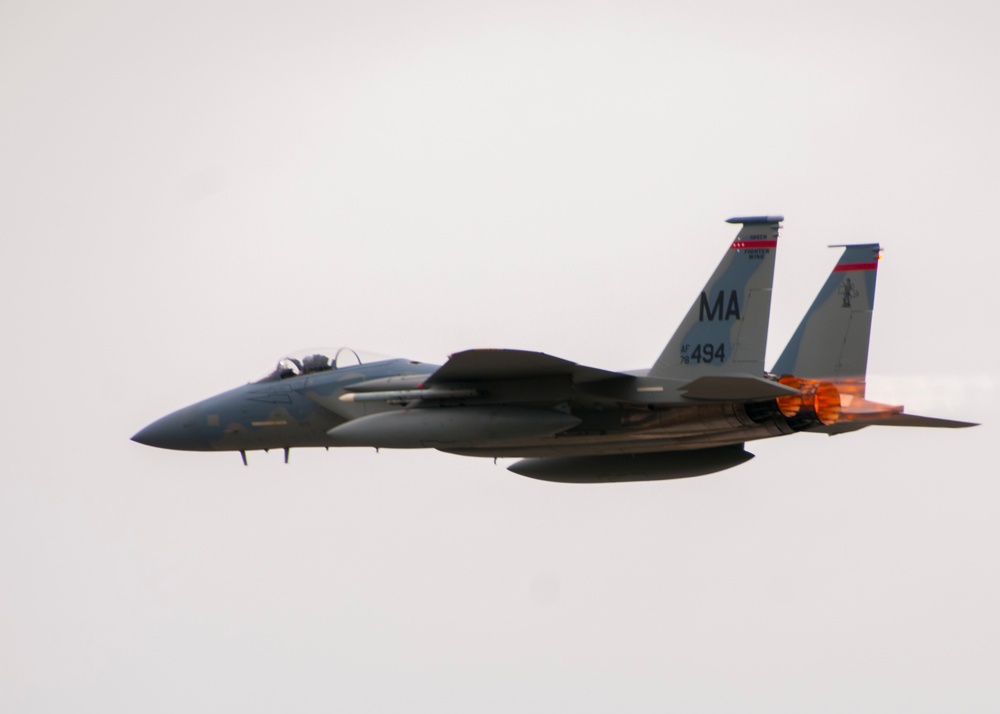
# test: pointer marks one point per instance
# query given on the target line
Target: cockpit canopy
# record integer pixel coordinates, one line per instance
(310, 361)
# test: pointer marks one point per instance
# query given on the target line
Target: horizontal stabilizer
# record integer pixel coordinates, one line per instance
(735, 388)
(483, 365)
(632, 467)
(915, 420)
(895, 419)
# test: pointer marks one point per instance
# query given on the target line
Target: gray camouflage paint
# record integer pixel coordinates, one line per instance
(831, 342)
(725, 330)
(576, 423)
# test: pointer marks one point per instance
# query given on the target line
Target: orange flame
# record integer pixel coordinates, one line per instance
(792, 404)
(817, 399)
(826, 403)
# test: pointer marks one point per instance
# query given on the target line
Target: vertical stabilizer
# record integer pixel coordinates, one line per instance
(831, 342)
(725, 331)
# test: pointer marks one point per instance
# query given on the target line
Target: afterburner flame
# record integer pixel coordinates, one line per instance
(791, 405)
(818, 400)
(826, 403)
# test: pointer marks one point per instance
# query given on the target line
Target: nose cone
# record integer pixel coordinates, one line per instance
(180, 430)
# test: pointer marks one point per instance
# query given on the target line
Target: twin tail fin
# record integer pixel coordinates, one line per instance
(725, 330)
(831, 342)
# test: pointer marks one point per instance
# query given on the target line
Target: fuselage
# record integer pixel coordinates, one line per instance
(607, 417)
(275, 412)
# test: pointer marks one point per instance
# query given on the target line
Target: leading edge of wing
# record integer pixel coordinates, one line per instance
(493, 364)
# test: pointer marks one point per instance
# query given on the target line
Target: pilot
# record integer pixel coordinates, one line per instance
(289, 367)
(315, 363)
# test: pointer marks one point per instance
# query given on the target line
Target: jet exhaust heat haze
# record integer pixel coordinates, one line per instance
(690, 414)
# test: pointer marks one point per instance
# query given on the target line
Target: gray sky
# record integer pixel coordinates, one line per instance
(190, 189)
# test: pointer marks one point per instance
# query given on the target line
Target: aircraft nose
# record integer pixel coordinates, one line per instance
(180, 430)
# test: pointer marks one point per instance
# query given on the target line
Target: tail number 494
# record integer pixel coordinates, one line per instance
(706, 353)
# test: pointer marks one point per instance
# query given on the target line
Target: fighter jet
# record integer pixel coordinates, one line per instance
(690, 414)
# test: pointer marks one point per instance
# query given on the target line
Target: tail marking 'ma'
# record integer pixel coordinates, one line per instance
(713, 311)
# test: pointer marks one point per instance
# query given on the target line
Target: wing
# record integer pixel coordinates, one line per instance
(487, 376)
(487, 365)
